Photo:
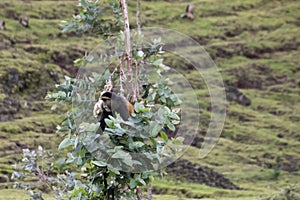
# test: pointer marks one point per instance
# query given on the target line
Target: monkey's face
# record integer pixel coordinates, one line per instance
(106, 105)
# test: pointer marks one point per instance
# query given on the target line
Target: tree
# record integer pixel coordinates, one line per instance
(129, 154)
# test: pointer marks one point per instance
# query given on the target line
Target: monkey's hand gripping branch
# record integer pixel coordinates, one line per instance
(97, 108)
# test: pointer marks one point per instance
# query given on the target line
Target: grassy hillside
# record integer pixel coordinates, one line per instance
(254, 43)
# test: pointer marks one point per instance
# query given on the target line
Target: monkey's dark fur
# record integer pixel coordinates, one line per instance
(112, 104)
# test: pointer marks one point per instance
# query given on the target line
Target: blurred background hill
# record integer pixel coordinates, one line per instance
(254, 43)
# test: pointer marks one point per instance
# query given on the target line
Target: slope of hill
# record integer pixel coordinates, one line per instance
(255, 44)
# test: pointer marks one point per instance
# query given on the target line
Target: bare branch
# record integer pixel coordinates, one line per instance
(128, 55)
(126, 28)
(138, 16)
(149, 191)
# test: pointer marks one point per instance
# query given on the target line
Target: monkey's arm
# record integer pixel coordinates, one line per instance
(102, 118)
(97, 108)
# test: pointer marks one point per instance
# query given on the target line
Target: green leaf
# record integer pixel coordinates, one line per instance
(124, 156)
(62, 94)
(154, 143)
(142, 181)
(84, 4)
(128, 161)
(70, 158)
(110, 123)
(132, 184)
(151, 97)
(90, 58)
(99, 163)
(67, 26)
(158, 62)
(79, 62)
(112, 169)
(76, 142)
(164, 67)
(121, 154)
(161, 112)
(135, 162)
(135, 120)
(164, 136)
(135, 145)
(151, 178)
(79, 161)
(163, 99)
(170, 126)
(65, 143)
(153, 76)
(87, 127)
(178, 140)
(175, 122)
(175, 98)
(60, 161)
(139, 179)
(149, 174)
(138, 144)
(173, 116)
(140, 108)
(155, 128)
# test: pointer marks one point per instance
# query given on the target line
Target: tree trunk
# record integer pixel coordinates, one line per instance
(139, 193)
(138, 16)
(128, 49)
(149, 191)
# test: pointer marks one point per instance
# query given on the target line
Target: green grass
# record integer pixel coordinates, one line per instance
(11, 194)
(196, 191)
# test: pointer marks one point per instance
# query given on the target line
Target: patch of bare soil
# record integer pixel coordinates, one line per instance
(65, 59)
(187, 171)
(290, 163)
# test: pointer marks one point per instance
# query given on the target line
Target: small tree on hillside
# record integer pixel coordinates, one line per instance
(129, 154)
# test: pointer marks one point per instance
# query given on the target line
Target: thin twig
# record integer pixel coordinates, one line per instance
(43, 177)
(138, 96)
(122, 77)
